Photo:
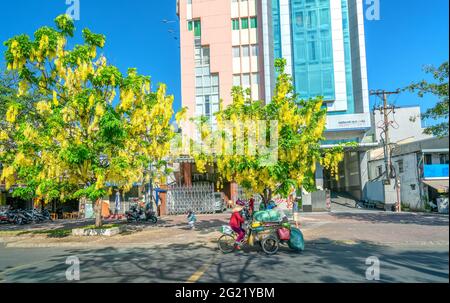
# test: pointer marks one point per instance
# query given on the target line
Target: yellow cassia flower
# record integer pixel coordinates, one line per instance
(11, 114)
(30, 133)
(43, 107)
(55, 98)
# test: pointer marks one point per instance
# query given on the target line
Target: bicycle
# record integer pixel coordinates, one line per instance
(227, 242)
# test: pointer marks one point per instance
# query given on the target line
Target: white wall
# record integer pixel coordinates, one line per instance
(340, 77)
(359, 63)
(405, 127)
(286, 40)
(409, 180)
(374, 191)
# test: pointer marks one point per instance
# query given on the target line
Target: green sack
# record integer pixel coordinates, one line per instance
(274, 216)
(297, 242)
(267, 216)
(286, 225)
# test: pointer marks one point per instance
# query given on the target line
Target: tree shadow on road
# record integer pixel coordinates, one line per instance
(403, 218)
(331, 262)
(322, 261)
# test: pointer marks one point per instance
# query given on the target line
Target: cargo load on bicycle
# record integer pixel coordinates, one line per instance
(269, 229)
(267, 216)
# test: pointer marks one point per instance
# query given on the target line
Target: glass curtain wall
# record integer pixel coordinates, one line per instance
(312, 48)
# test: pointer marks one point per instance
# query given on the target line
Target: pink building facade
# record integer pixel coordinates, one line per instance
(220, 47)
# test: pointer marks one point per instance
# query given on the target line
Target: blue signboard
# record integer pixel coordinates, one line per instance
(435, 171)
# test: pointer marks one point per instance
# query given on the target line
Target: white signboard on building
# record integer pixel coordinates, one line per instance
(348, 122)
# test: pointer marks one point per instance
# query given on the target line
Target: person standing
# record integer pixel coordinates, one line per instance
(191, 219)
(251, 206)
(117, 204)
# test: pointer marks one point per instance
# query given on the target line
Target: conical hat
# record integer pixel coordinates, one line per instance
(238, 208)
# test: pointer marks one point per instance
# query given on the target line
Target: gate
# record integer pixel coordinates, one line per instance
(198, 198)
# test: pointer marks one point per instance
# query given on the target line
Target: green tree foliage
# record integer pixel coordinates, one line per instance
(64, 133)
(299, 131)
(439, 89)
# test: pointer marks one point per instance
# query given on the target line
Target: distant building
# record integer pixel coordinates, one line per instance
(407, 125)
(423, 170)
(226, 43)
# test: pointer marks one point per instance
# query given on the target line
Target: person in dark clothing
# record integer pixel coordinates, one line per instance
(251, 206)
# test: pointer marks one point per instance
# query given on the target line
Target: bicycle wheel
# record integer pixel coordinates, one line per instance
(226, 244)
(270, 245)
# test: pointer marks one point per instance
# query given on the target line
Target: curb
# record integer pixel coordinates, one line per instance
(101, 245)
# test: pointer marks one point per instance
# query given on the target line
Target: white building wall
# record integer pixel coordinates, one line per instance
(410, 185)
(359, 61)
(340, 79)
(286, 40)
(407, 126)
(267, 48)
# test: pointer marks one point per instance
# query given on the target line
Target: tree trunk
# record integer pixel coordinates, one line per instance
(266, 196)
(98, 213)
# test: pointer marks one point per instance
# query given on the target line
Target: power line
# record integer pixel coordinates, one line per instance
(386, 110)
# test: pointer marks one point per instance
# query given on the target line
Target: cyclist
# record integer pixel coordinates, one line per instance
(236, 222)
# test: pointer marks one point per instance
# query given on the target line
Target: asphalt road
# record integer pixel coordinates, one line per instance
(321, 262)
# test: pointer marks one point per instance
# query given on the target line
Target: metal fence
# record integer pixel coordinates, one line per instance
(198, 198)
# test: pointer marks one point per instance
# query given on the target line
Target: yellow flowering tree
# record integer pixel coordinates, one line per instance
(91, 129)
(298, 131)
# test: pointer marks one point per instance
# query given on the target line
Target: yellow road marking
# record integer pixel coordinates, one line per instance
(199, 273)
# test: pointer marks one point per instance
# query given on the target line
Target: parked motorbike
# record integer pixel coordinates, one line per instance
(4, 217)
(137, 214)
(40, 216)
(19, 217)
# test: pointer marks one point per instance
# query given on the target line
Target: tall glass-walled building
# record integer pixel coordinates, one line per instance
(323, 43)
(226, 43)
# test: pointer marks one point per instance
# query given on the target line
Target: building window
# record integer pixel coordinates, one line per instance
(428, 159)
(380, 170)
(235, 24)
(244, 23)
(245, 51)
(253, 22)
(443, 158)
(236, 80)
(236, 52)
(206, 84)
(190, 26)
(197, 28)
(255, 79)
(400, 166)
(207, 106)
(246, 81)
(254, 50)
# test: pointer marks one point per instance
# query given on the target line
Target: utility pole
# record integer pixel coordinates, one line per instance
(386, 110)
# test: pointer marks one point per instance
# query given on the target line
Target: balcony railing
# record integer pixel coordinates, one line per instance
(436, 171)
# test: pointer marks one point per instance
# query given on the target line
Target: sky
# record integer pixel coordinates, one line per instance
(409, 35)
